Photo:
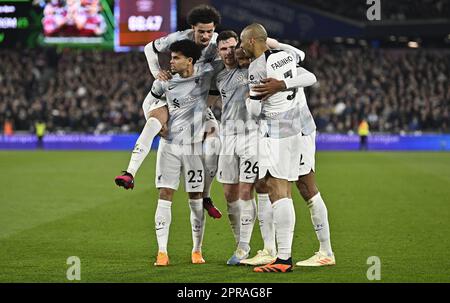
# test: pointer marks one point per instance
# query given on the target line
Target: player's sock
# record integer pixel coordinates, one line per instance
(234, 215)
(319, 218)
(163, 217)
(210, 173)
(284, 222)
(143, 145)
(197, 223)
(211, 149)
(265, 217)
(248, 215)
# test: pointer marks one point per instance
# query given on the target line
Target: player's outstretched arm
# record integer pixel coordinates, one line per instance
(272, 86)
(274, 44)
(304, 78)
(153, 63)
(300, 55)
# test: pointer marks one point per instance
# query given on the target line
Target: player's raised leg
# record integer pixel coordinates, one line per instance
(156, 117)
(211, 150)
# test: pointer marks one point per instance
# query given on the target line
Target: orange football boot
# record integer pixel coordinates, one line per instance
(278, 265)
(162, 259)
(197, 258)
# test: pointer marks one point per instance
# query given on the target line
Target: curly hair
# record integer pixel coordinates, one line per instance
(188, 48)
(203, 14)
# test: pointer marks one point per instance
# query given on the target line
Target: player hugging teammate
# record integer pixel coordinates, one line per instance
(266, 141)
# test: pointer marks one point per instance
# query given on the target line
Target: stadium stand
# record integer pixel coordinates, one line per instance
(398, 10)
(102, 92)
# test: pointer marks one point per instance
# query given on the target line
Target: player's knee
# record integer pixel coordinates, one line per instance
(275, 196)
(161, 114)
(261, 187)
(166, 194)
(277, 191)
(195, 196)
(231, 195)
(307, 191)
(246, 192)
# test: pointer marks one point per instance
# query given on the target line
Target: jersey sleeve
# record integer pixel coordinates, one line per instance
(304, 78)
(162, 44)
(158, 89)
(300, 55)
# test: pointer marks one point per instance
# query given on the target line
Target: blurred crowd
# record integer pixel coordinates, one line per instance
(102, 92)
(398, 10)
(74, 91)
(394, 90)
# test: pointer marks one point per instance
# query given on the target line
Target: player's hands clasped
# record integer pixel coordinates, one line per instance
(268, 87)
(164, 75)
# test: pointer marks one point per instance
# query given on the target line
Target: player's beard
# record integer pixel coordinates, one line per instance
(230, 60)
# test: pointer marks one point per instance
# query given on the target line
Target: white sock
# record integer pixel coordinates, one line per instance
(319, 218)
(234, 215)
(197, 223)
(163, 217)
(211, 149)
(265, 217)
(143, 144)
(248, 216)
(284, 222)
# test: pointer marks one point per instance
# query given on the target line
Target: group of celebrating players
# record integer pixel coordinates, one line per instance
(265, 141)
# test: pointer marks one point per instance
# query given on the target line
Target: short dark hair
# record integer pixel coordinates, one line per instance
(188, 48)
(225, 35)
(203, 14)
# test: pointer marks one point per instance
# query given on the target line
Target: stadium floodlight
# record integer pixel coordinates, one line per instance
(413, 44)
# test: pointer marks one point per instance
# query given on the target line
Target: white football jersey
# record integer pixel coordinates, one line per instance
(308, 126)
(233, 87)
(280, 112)
(187, 103)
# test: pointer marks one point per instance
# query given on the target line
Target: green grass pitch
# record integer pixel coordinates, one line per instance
(54, 205)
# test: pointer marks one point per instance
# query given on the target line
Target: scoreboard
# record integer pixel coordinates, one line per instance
(141, 21)
(15, 21)
(121, 24)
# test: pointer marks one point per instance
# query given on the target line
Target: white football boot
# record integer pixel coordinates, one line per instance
(319, 259)
(263, 257)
